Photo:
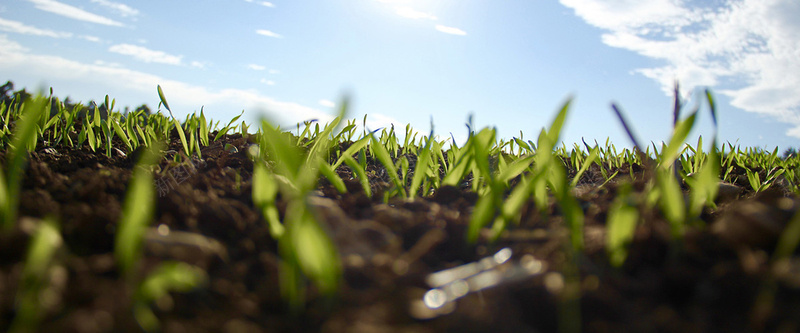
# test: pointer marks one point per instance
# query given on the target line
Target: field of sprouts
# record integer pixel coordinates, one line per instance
(136, 221)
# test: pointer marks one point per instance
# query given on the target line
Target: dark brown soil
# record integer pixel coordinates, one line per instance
(708, 283)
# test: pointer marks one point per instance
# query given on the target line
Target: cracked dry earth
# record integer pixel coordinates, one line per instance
(205, 216)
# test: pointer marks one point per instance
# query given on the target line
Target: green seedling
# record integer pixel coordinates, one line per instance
(304, 247)
(175, 122)
(120, 132)
(491, 193)
(167, 277)
(403, 166)
(265, 191)
(360, 172)
(593, 153)
(137, 213)
(356, 148)
(24, 140)
(31, 295)
(423, 164)
(106, 125)
(705, 185)
(382, 154)
(506, 174)
(337, 182)
(620, 225)
(228, 127)
(204, 129)
(456, 164)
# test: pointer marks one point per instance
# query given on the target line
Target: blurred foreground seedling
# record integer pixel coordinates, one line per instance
(137, 214)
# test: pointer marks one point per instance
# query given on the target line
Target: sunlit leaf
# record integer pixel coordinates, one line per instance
(163, 99)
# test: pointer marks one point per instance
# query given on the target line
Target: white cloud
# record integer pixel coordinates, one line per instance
(414, 14)
(263, 3)
(197, 64)
(753, 43)
(121, 9)
(145, 54)
(267, 82)
(268, 33)
(256, 67)
(72, 12)
(450, 30)
(21, 28)
(624, 14)
(182, 96)
(326, 103)
(274, 71)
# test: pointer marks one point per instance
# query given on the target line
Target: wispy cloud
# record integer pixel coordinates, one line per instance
(263, 3)
(274, 71)
(256, 67)
(11, 48)
(72, 12)
(21, 28)
(750, 42)
(145, 54)
(451, 30)
(268, 33)
(402, 9)
(414, 14)
(93, 39)
(15, 59)
(121, 9)
(267, 82)
(108, 64)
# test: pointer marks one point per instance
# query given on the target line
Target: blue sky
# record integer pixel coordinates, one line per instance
(510, 64)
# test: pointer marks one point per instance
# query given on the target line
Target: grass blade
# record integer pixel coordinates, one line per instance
(121, 134)
(423, 163)
(182, 136)
(383, 156)
(678, 140)
(593, 153)
(332, 176)
(361, 174)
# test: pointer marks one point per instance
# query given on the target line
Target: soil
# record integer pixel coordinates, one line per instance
(709, 282)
